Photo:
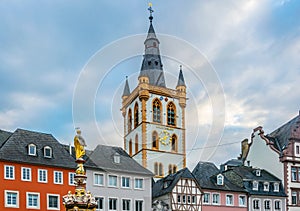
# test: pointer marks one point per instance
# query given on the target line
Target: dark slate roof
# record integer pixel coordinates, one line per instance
(206, 175)
(126, 91)
(89, 163)
(172, 179)
(180, 78)
(152, 65)
(15, 149)
(244, 177)
(281, 136)
(103, 157)
(4, 136)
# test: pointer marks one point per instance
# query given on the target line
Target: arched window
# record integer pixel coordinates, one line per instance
(170, 169)
(174, 168)
(136, 143)
(156, 169)
(32, 149)
(47, 152)
(130, 147)
(129, 124)
(171, 114)
(161, 170)
(156, 110)
(155, 140)
(174, 143)
(136, 115)
(220, 179)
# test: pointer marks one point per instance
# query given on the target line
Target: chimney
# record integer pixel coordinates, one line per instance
(70, 149)
(248, 163)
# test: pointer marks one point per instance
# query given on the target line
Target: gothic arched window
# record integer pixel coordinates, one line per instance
(136, 115)
(174, 143)
(161, 170)
(171, 114)
(136, 144)
(130, 147)
(129, 124)
(155, 140)
(156, 110)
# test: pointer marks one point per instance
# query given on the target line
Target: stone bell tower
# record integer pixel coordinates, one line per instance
(154, 115)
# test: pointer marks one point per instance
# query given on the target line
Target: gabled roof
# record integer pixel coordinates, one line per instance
(244, 177)
(158, 188)
(206, 175)
(15, 149)
(103, 157)
(288, 131)
(4, 136)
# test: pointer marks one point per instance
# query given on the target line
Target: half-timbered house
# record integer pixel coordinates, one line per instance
(180, 191)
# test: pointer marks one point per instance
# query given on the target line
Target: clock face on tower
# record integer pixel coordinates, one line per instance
(165, 137)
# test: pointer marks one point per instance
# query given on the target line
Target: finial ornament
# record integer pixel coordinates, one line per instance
(151, 11)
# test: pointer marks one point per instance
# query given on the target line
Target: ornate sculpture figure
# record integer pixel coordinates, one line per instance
(79, 144)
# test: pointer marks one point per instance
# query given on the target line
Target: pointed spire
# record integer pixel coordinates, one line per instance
(180, 78)
(126, 91)
(152, 65)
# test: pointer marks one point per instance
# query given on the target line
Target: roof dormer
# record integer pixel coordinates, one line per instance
(32, 149)
(220, 179)
(116, 158)
(47, 152)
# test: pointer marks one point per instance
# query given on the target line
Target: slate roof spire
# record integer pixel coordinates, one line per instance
(152, 66)
(126, 91)
(180, 78)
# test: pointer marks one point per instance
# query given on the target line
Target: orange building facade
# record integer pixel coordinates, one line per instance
(31, 187)
(36, 171)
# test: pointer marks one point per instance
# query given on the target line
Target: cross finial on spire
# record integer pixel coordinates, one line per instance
(151, 11)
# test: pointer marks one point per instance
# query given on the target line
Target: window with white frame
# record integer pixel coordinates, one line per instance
(188, 199)
(112, 204)
(277, 205)
(193, 199)
(178, 198)
(242, 200)
(297, 149)
(294, 198)
(255, 185)
(98, 179)
(100, 203)
(294, 173)
(216, 198)
(32, 200)
(71, 178)
(47, 152)
(9, 172)
(138, 205)
(206, 198)
(267, 204)
(32, 149)
(42, 175)
(11, 198)
(229, 200)
(256, 204)
(138, 183)
(125, 182)
(125, 204)
(276, 187)
(266, 186)
(184, 199)
(220, 179)
(58, 177)
(53, 202)
(112, 181)
(26, 174)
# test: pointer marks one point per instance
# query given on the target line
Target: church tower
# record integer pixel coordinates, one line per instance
(154, 115)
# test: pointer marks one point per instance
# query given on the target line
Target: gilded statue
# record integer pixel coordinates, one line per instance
(79, 144)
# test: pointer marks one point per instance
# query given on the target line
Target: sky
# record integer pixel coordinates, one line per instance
(63, 65)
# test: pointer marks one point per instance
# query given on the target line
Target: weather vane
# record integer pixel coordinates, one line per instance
(151, 11)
